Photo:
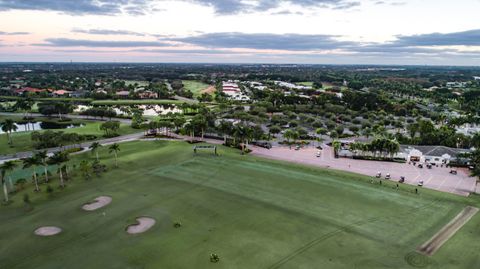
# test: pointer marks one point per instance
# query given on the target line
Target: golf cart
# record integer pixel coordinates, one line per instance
(429, 166)
(387, 176)
(297, 147)
(453, 172)
(420, 183)
(402, 179)
(319, 153)
(420, 165)
(379, 175)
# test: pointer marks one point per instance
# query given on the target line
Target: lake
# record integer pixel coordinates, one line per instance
(148, 110)
(43, 125)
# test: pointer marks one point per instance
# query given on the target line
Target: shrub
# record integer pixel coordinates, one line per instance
(214, 258)
(26, 199)
(49, 189)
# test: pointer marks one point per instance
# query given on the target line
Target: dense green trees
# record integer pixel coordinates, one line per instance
(382, 147)
(55, 108)
(110, 128)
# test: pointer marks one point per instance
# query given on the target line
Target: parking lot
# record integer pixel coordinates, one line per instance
(437, 178)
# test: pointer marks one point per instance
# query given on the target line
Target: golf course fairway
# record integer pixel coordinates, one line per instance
(251, 212)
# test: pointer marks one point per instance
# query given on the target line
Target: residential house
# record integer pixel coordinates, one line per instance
(122, 94)
(148, 95)
(61, 93)
(26, 90)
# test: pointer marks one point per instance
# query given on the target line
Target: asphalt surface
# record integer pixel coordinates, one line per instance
(437, 178)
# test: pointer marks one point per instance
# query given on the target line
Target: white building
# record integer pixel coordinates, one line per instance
(456, 84)
(292, 86)
(468, 129)
(429, 154)
(232, 90)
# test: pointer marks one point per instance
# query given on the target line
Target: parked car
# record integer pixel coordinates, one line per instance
(453, 172)
(420, 183)
(297, 147)
(319, 153)
(420, 166)
(402, 180)
(379, 175)
(387, 176)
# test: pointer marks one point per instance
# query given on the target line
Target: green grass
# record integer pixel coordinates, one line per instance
(253, 213)
(306, 83)
(140, 83)
(135, 102)
(22, 140)
(194, 86)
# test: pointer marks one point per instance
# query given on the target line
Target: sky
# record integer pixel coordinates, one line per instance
(386, 32)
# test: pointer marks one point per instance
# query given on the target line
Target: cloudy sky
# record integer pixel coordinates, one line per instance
(423, 32)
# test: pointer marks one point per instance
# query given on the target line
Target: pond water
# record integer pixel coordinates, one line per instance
(43, 125)
(148, 110)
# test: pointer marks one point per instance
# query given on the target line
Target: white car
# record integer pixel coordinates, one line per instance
(319, 154)
(420, 183)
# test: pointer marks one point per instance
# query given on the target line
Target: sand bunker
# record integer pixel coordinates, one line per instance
(209, 90)
(143, 225)
(99, 202)
(48, 231)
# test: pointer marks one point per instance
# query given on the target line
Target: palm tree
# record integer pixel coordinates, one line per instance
(288, 135)
(85, 168)
(336, 147)
(115, 148)
(59, 158)
(32, 162)
(43, 156)
(9, 126)
(4, 169)
(226, 128)
(94, 147)
(241, 132)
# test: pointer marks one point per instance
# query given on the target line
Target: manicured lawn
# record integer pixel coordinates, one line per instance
(22, 140)
(253, 213)
(135, 102)
(194, 86)
(306, 83)
(140, 83)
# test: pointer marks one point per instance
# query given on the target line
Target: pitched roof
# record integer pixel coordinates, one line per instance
(435, 150)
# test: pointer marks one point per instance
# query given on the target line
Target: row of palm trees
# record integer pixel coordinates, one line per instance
(379, 146)
(240, 132)
(41, 158)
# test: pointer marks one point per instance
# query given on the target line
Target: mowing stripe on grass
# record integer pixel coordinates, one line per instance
(431, 246)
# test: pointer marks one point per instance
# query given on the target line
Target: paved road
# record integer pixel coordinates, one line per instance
(85, 145)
